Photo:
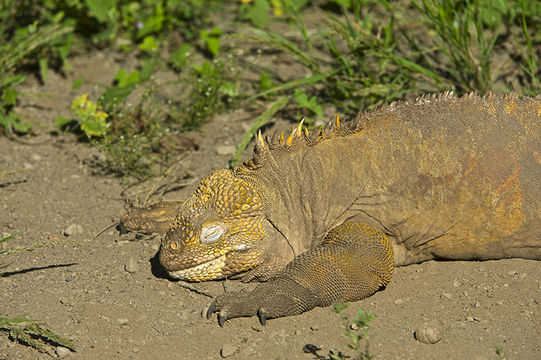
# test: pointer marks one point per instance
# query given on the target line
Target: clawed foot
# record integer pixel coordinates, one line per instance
(222, 315)
(268, 300)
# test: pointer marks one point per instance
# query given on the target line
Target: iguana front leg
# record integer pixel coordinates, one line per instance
(353, 262)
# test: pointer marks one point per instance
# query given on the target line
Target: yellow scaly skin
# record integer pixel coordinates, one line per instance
(222, 208)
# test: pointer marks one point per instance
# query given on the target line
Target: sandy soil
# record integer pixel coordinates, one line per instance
(108, 294)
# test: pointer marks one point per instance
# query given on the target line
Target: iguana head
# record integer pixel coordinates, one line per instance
(217, 231)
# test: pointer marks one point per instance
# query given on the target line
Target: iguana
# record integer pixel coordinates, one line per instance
(324, 216)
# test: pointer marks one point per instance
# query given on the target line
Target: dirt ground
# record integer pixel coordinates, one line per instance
(109, 296)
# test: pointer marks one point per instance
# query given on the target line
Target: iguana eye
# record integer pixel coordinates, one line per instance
(211, 233)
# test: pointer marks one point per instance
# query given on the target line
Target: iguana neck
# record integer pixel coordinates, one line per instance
(308, 190)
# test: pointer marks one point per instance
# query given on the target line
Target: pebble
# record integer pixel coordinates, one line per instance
(73, 229)
(447, 296)
(62, 352)
(398, 302)
(228, 350)
(429, 333)
(225, 149)
(122, 321)
(28, 166)
(35, 157)
(131, 265)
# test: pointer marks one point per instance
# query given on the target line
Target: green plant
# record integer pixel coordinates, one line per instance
(500, 352)
(18, 45)
(211, 39)
(258, 11)
(358, 67)
(463, 39)
(308, 103)
(357, 329)
(134, 139)
(90, 116)
(27, 331)
(365, 56)
(212, 92)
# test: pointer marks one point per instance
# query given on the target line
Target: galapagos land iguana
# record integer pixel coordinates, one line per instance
(325, 216)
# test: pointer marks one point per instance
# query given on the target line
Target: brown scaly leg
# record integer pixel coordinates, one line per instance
(353, 262)
(153, 219)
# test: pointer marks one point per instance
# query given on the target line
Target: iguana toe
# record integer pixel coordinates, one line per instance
(262, 314)
(211, 310)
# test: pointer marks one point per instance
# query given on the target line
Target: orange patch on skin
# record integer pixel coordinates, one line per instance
(489, 202)
(507, 200)
(537, 157)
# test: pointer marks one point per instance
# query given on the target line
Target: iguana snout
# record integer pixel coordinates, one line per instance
(217, 232)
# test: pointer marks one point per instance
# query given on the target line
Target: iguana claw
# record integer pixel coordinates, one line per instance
(211, 310)
(221, 320)
(222, 317)
(262, 314)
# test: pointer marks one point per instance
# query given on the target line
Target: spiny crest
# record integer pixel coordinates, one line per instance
(299, 136)
(447, 97)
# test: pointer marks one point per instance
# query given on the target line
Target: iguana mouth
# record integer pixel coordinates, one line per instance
(209, 270)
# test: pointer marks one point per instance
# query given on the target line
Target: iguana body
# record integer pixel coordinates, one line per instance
(440, 178)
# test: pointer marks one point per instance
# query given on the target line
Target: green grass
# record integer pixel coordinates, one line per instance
(357, 330)
(376, 52)
(28, 332)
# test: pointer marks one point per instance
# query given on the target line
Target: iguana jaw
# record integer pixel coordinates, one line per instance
(231, 262)
(205, 271)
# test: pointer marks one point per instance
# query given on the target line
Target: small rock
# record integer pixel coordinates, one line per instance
(447, 296)
(429, 333)
(228, 350)
(62, 352)
(35, 157)
(398, 302)
(512, 272)
(131, 265)
(225, 149)
(73, 229)
(122, 321)
(28, 166)
(456, 283)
